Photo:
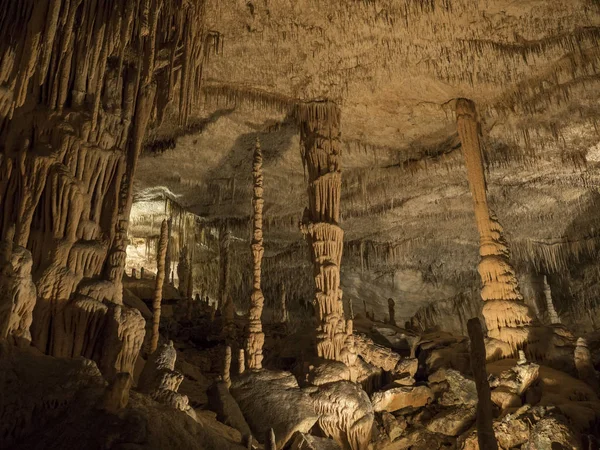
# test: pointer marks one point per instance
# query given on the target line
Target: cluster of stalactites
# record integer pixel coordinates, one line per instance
(256, 337)
(321, 149)
(505, 313)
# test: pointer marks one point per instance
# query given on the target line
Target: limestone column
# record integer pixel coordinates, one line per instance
(160, 278)
(256, 337)
(169, 249)
(321, 151)
(506, 315)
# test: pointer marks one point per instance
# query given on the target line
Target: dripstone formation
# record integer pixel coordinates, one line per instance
(256, 337)
(321, 156)
(160, 138)
(506, 316)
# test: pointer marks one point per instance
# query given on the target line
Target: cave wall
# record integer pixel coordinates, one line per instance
(80, 83)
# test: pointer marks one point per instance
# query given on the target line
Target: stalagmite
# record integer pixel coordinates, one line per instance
(241, 361)
(116, 395)
(226, 374)
(256, 337)
(552, 314)
(168, 269)
(504, 311)
(183, 271)
(392, 311)
(321, 152)
(17, 292)
(160, 278)
(485, 431)
(585, 366)
(160, 380)
(270, 443)
(283, 312)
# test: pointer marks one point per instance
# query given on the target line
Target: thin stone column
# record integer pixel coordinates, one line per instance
(256, 337)
(160, 278)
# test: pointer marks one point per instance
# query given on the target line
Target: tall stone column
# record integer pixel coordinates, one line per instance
(321, 151)
(256, 337)
(506, 315)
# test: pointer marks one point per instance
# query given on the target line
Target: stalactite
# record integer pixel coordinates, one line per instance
(160, 278)
(256, 337)
(504, 311)
(321, 152)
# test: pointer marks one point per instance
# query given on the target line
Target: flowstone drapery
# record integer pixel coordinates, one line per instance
(321, 152)
(80, 81)
(506, 315)
(256, 337)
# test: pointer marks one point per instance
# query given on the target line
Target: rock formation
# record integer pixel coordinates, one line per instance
(506, 315)
(161, 381)
(584, 364)
(183, 271)
(256, 337)
(321, 153)
(158, 287)
(80, 81)
(17, 293)
(392, 311)
(552, 314)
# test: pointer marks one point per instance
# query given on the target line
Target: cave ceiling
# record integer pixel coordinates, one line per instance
(395, 68)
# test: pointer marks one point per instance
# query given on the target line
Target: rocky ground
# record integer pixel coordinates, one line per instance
(429, 404)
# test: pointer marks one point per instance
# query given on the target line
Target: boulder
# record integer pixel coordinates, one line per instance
(303, 441)
(505, 399)
(401, 397)
(459, 391)
(394, 427)
(453, 421)
(551, 433)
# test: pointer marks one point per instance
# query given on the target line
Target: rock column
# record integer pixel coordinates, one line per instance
(160, 278)
(506, 315)
(321, 151)
(256, 337)
(552, 314)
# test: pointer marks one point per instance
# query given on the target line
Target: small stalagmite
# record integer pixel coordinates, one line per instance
(158, 287)
(585, 365)
(506, 315)
(321, 152)
(392, 311)
(256, 337)
(183, 271)
(552, 314)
